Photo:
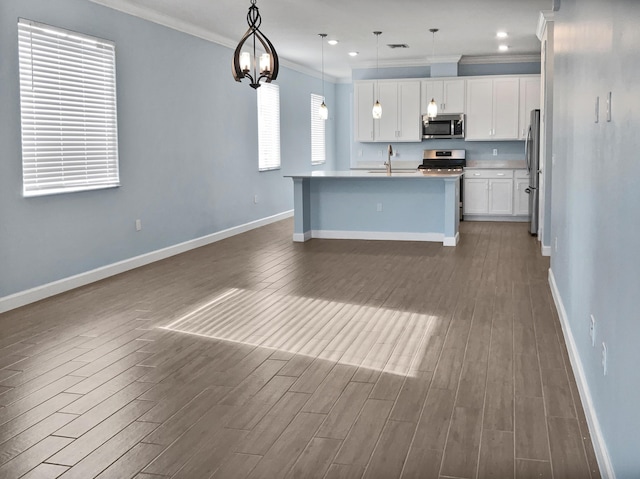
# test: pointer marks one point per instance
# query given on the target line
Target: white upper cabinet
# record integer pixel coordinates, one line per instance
(401, 119)
(448, 94)
(492, 108)
(505, 108)
(479, 109)
(496, 107)
(529, 100)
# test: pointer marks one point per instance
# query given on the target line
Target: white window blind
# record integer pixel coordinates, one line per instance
(68, 110)
(318, 153)
(268, 127)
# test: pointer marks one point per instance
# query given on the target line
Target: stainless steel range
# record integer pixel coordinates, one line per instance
(444, 161)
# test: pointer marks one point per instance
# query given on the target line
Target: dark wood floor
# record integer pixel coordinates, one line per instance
(258, 357)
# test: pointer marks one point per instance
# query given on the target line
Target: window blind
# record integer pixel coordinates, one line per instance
(318, 153)
(268, 127)
(68, 110)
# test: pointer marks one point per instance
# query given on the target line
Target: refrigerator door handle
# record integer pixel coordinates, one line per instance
(527, 152)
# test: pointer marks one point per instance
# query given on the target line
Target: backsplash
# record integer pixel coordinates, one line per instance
(409, 155)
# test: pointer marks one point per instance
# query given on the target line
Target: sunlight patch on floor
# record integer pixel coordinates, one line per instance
(380, 339)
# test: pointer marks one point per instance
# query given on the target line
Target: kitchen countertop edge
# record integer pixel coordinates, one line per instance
(497, 164)
(368, 174)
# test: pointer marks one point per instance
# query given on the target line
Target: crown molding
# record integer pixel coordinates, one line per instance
(490, 59)
(545, 17)
(150, 15)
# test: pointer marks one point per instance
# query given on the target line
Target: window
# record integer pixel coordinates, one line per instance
(68, 110)
(268, 127)
(318, 152)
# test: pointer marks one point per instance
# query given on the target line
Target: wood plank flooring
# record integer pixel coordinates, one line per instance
(256, 357)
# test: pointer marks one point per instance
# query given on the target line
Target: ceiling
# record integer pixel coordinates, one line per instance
(466, 27)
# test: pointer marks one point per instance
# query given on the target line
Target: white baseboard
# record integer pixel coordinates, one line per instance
(498, 218)
(545, 250)
(32, 295)
(302, 237)
(599, 444)
(378, 235)
(451, 241)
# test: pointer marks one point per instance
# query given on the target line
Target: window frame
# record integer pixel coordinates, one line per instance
(68, 110)
(318, 132)
(269, 153)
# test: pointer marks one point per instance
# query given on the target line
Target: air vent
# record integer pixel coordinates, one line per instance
(398, 45)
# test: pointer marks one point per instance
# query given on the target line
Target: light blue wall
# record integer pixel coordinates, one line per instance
(187, 144)
(346, 204)
(475, 150)
(595, 211)
(464, 69)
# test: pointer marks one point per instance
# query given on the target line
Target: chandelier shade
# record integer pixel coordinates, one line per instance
(260, 62)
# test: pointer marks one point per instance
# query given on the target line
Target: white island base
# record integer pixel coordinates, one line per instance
(406, 206)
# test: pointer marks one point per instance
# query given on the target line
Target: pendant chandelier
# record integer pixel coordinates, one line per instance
(265, 67)
(377, 107)
(323, 111)
(432, 109)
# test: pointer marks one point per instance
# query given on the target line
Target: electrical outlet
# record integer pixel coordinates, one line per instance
(380, 153)
(592, 330)
(379, 207)
(495, 152)
(255, 199)
(360, 153)
(604, 358)
(555, 246)
(138, 225)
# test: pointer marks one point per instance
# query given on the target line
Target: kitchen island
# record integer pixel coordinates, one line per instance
(371, 205)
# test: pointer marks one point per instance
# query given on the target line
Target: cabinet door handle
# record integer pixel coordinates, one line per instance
(500, 174)
(476, 174)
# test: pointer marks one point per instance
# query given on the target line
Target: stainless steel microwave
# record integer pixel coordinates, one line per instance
(443, 126)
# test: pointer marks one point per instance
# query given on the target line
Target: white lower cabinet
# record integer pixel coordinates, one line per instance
(500, 196)
(495, 193)
(520, 195)
(476, 196)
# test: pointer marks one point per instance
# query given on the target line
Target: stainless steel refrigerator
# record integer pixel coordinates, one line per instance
(532, 155)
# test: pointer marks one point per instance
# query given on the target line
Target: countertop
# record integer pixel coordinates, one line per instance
(496, 164)
(373, 174)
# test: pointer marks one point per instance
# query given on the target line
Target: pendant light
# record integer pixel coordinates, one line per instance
(377, 107)
(432, 109)
(323, 111)
(246, 61)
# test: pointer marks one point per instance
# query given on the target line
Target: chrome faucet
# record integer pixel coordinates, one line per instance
(388, 162)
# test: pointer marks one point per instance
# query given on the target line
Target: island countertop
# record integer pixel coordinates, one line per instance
(374, 174)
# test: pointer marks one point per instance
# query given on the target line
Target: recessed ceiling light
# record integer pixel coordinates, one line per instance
(502, 35)
(503, 48)
(332, 42)
(353, 54)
